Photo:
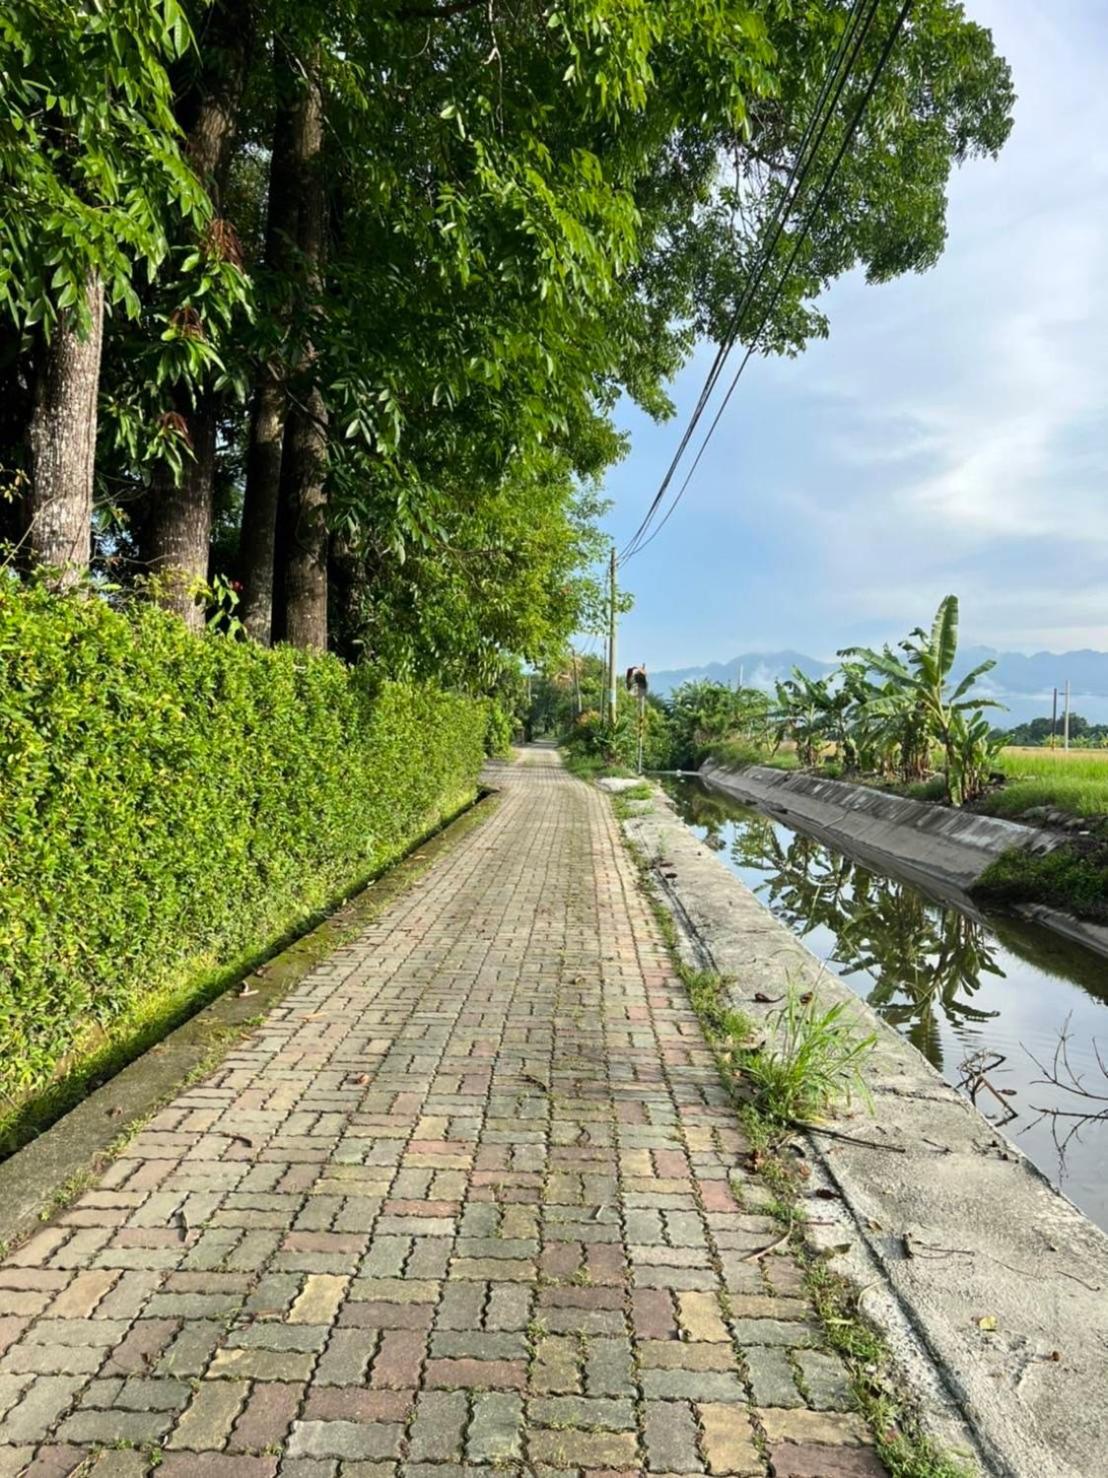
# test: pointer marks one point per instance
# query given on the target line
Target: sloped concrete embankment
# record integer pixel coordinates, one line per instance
(948, 1225)
(940, 845)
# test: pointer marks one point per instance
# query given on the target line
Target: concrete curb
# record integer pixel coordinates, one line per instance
(950, 1225)
(44, 1174)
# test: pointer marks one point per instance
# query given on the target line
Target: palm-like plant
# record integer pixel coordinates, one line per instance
(917, 704)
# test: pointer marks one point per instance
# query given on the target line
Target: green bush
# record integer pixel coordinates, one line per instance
(617, 745)
(1076, 881)
(169, 802)
(500, 729)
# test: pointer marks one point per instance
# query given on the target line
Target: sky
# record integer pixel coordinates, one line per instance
(950, 435)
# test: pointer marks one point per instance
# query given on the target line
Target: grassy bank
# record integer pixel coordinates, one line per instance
(1074, 880)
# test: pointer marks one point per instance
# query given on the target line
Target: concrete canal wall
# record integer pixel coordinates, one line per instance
(935, 843)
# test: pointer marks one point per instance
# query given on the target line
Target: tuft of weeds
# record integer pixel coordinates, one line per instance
(815, 1060)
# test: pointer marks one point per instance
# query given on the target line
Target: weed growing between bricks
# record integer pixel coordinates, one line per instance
(876, 1386)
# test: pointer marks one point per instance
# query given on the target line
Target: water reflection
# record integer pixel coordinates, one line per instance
(924, 959)
(974, 992)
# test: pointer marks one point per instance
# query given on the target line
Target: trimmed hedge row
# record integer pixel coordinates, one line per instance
(168, 802)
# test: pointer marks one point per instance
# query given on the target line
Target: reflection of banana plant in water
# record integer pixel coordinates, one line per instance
(923, 958)
(932, 958)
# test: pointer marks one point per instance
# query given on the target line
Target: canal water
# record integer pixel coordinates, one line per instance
(975, 992)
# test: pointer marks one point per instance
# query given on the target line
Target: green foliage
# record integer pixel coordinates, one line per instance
(500, 729)
(166, 800)
(617, 744)
(916, 701)
(815, 1062)
(705, 714)
(1067, 878)
(90, 163)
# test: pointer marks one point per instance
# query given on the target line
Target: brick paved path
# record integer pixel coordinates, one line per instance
(460, 1206)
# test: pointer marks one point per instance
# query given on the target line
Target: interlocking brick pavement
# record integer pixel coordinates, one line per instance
(461, 1205)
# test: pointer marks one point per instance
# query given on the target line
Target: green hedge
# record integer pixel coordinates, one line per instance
(169, 803)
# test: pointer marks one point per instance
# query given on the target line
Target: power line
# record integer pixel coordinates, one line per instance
(803, 161)
(798, 243)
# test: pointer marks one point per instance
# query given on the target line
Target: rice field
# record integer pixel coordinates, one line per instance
(1074, 780)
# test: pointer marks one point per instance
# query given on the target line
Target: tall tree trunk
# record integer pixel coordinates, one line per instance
(175, 536)
(305, 585)
(62, 445)
(305, 581)
(175, 529)
(258, 537)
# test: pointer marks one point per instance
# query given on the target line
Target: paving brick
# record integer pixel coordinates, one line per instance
(279, 1365)
(217, 1465)
(582, 1411)
(495, 1430)
(811, 1460)
(491, 1375)
(728, 1439)
(32, 1418)
(208, 1419)
(346, 1359)
(318, 1302)
(81, 1297)
(825, 1380)
(582, 1449)
(557, 1365)
(670, 1433)
(691, 1385)
(355, 1404)
(346, 1440)
(771, 1377)
(438, 1426)
(824, 1427)
(268, 1415)
(57, 1461)
(701, 1317)
(115, 1426)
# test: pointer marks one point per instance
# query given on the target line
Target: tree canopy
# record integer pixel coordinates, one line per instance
(376, 278)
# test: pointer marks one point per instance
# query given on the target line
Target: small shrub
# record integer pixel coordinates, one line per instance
(816, 1064)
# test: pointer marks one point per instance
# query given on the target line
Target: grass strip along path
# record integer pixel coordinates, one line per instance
(461, 1204)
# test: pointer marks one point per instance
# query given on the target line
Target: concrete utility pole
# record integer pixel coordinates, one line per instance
(1054, 720)
(1066, 719)
(577, 685)
(612, 638)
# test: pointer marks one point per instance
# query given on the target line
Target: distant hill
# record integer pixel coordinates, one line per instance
(1022, 683)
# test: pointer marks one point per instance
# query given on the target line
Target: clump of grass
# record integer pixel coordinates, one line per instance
(1065, 878)
(708, 997)
(738, 753)
(814, 1063)
(590, 766)
(623, 802)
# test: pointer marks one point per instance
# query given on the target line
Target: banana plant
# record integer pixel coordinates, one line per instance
(918, 696)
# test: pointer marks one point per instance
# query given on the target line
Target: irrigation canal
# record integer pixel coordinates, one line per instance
(986, 997)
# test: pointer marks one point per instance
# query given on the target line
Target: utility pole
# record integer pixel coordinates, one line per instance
(612, 637)
(1066, 719)
(577, 684)
(1054, 719)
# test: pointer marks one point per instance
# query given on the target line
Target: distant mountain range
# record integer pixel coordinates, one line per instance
(1023, 684)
